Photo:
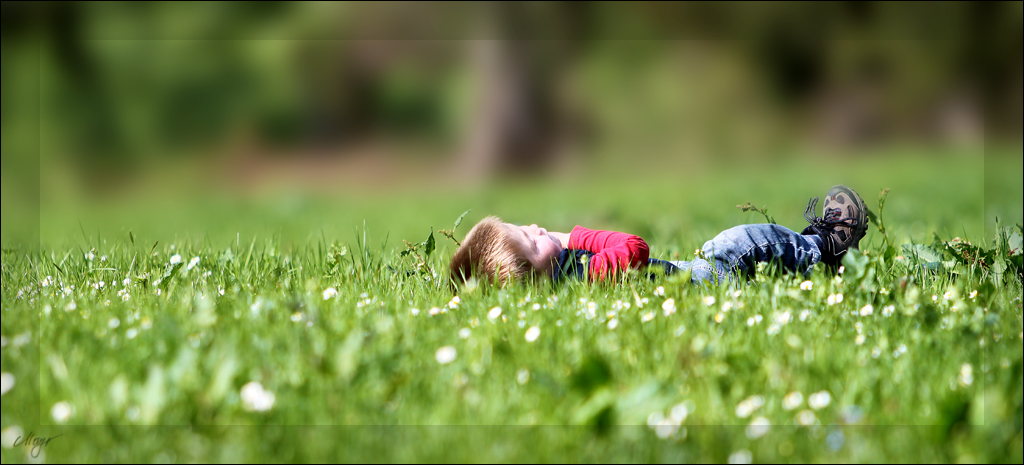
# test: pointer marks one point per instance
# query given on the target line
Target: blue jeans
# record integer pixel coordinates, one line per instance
(735, 253)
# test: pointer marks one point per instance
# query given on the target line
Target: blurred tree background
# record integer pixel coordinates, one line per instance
(108, 97)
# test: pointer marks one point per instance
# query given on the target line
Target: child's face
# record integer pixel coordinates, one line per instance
(540, 247)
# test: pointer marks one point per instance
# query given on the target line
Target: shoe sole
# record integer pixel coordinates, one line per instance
(862, 217)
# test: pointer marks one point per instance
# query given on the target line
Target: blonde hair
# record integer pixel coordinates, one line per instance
(489, 249)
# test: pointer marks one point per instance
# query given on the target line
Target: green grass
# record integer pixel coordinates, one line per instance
(158, 376)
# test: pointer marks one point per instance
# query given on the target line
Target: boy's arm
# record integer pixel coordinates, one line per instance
(613, 251)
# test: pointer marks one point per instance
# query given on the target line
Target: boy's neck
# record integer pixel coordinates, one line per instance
(562, 237)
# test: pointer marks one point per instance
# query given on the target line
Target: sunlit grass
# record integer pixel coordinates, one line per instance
(887, 361)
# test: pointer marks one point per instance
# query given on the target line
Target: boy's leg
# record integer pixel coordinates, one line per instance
(735, 252)
(701, 271)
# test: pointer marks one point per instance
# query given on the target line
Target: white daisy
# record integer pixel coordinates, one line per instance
(743, 457)
(669, 307)
(758, 428)
(6, 383)
(806, 418)
(11, 435)
(666, 429)
(793, 401)
(819, 400)
(966, 377)
(679, 413)
(257, 399)
(749, 406)
(446, 355)
(62, 412)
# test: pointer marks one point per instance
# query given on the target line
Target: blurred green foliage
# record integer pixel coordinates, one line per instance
(127, 98)
(125, 82)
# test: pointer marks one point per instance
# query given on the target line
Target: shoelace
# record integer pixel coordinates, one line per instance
(827, 221)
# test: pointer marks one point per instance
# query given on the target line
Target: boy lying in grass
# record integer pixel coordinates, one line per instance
(503, 251)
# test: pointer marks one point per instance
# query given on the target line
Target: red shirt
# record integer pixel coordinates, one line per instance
(613, 251)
